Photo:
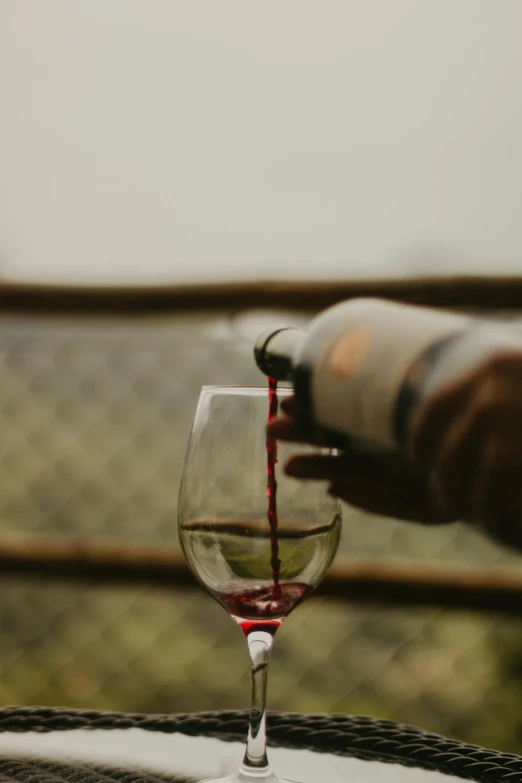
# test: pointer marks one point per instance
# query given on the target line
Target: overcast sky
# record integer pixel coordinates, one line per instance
(166, 140)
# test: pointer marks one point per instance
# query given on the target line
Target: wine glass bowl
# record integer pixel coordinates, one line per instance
(257, 540)
(232, 560)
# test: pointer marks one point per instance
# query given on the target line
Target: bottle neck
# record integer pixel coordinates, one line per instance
(276, 349)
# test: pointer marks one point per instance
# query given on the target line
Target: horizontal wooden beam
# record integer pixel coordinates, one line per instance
(395, 583)
(385, 582)
(487, 293)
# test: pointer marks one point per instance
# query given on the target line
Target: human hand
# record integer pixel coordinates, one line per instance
(467, 442)
(379, 486)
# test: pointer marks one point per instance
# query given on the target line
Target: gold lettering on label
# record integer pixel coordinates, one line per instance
(349, 353)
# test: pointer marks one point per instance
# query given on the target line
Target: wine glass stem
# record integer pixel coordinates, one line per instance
(255, 762)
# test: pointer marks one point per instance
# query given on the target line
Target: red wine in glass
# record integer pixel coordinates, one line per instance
(263, 608)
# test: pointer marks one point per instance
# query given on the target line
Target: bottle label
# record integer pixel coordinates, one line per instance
(359, 372)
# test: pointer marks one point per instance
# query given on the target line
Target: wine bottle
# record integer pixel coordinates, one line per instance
(364, 366)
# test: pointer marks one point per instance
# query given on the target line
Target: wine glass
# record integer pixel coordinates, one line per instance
(257, 540)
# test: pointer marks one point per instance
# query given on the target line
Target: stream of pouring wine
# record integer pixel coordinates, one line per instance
(271, 451)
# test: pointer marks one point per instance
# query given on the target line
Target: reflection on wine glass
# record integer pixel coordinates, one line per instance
(258, 562)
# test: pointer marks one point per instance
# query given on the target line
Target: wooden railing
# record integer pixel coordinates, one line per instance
(481, 293)
(377, 580)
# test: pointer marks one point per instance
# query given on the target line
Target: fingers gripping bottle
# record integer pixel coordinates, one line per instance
(364, 366)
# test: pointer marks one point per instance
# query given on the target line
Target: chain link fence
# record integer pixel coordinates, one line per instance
(95, 417)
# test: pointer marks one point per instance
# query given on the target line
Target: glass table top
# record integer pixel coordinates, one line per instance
(184, 759)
